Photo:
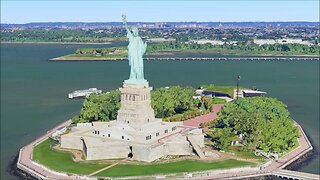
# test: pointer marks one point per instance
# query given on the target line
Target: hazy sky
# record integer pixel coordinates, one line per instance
(106, 11)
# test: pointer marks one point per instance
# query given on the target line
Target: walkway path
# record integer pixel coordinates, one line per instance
(195, 122)
(25, 158)
(108, 167)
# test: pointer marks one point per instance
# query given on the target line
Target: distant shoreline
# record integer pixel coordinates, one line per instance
(109, 42)
(262, 58)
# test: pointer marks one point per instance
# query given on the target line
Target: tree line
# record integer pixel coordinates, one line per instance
(101, 51)
(64, 35)
(173, 104)
(241, 46)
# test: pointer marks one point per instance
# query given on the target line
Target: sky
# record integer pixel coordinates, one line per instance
(158, 11)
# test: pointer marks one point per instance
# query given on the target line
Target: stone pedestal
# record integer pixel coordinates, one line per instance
(135, 109)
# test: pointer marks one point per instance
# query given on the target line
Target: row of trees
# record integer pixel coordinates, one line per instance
(102, 107)
(65, 35)
(101, 51)
(264, 122)
(269, 48)
(165, 102)
(242, 46)
(169, 101)
(199, 107)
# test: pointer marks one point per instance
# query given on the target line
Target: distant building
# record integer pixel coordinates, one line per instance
(281, 41)
(222, 95)
(205, 41)
(252, 93)
(248, 93)
(156, 40)
(211, 94)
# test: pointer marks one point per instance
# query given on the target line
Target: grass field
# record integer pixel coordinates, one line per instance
(216, 100)
(62, 162)
(245, 154)
(173, 167)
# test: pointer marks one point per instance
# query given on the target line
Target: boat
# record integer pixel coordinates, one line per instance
(83, 93)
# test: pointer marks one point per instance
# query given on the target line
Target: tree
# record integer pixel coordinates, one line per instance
(264, 122)
(102, 107)
(169, 101)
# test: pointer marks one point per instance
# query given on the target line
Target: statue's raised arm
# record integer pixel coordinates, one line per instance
(124, 18)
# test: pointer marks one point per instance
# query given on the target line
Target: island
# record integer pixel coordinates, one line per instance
(252, 135)
(213, 132)
(194, 50)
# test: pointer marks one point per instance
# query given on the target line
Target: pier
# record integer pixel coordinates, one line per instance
(282, 173)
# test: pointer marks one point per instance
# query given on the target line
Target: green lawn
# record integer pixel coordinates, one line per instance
(216, 100)
(61, 161)
(173, 167)
(245, 154)
(224, 89)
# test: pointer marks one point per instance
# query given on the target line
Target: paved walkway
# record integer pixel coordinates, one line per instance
(25, 158)
(195, 122)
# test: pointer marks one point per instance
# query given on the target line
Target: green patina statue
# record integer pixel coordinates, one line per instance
(136, 49)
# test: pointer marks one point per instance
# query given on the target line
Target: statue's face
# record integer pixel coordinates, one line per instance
(135, 31)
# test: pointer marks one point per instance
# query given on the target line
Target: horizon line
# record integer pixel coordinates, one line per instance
(301, 21)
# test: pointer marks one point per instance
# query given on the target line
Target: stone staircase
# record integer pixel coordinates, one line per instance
(196, 147)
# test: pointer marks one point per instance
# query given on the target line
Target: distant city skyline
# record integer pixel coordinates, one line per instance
(17, 12)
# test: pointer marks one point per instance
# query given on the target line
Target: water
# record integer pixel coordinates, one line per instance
(34, 90)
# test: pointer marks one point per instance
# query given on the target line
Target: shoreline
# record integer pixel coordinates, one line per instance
(80, 43)
(165, 52)
(264, 58)
(14, 171)
(304, 159)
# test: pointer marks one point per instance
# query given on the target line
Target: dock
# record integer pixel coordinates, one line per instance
(282, 173)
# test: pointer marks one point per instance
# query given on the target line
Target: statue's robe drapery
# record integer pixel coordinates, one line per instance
(136, 49)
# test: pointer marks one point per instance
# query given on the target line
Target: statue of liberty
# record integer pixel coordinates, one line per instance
(136, 49)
